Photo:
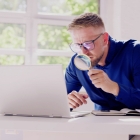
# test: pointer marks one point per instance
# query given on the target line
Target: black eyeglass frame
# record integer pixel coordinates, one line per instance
(82, 44)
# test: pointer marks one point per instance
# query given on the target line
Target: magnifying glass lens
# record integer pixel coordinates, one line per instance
(82, 62)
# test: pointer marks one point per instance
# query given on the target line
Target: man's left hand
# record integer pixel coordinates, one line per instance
(101, 80)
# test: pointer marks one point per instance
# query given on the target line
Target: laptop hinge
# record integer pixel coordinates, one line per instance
(49, 116)
(8, 114)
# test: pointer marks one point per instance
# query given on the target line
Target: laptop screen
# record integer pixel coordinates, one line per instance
(33, 90)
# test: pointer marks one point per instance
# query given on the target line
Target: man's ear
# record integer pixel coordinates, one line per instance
(106, 38)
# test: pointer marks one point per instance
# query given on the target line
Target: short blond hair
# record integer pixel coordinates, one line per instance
(87, 20)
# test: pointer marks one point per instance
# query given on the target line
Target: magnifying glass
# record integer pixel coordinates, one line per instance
(82, 62)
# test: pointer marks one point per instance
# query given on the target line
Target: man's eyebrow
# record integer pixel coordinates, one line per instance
(87, 41)
(83, 42)
(78, 43)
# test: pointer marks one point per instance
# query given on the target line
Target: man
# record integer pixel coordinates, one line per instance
(114, 81)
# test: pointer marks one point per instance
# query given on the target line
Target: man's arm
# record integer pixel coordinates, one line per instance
(128, 95)
(71, 79)
(73, 86)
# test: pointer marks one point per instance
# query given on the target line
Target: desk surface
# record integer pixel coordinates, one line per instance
(87, 124)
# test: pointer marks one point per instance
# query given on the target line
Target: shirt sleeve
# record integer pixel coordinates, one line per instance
(71, 79)
(130, 96)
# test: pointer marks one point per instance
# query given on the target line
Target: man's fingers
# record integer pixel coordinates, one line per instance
(74, 98)
(73, 103)
(95, 76)
(94, 71)
(96, 81)
(85, 96)
(81, 98)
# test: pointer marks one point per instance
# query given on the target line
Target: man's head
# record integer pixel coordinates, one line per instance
(89, 36)
(87, 20)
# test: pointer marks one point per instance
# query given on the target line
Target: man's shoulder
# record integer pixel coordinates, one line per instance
(133, 42)
(130, 42)
(133, 45)
(126, 44)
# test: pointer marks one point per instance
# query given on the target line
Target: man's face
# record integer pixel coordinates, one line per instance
(87, 34)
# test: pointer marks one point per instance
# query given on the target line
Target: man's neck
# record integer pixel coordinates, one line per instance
(102, 61)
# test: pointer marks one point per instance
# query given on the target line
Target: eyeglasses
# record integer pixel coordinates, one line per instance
(88, 45)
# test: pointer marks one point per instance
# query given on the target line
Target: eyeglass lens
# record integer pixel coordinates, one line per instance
(88, 45)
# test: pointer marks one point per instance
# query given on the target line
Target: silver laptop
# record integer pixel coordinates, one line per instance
(34, 91)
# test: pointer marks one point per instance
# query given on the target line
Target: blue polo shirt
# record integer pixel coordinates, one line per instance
(122, 66)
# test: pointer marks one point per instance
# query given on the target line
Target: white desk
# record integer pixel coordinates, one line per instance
(83, 128)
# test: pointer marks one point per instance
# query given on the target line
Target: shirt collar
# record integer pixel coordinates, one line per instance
(111, 51)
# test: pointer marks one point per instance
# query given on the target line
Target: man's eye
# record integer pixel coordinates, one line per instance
(87, 43)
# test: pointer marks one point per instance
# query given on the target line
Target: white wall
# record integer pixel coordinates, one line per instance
(122, 18)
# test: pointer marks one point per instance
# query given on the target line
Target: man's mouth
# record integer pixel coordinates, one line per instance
(90, 57)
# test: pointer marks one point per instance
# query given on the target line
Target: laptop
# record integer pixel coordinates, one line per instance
(37, 90)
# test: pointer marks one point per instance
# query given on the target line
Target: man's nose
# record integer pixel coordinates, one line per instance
(84, 50)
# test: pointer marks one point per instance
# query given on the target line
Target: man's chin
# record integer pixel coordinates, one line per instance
(94, 64)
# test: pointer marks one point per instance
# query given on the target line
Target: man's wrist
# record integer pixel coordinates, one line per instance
(116, 89)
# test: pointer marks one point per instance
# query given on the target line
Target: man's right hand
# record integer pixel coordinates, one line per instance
(77, 99)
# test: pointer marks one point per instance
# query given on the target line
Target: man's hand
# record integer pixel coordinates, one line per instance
(101, 80)
(77, 99)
